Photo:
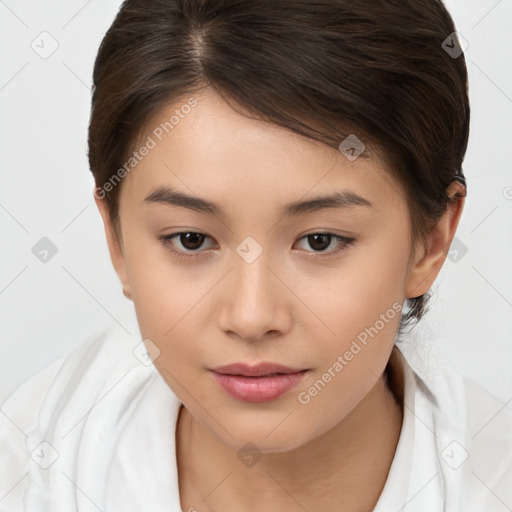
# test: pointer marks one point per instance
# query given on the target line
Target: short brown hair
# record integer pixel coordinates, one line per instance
(321, 68)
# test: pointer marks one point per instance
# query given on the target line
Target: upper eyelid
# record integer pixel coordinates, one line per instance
(173, 235)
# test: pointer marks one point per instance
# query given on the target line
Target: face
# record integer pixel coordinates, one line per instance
(311, 289)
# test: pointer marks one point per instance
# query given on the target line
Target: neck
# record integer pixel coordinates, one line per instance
(345, 468)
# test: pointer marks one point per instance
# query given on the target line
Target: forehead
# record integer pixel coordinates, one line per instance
(201, 146)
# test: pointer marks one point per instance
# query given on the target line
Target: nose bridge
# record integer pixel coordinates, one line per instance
(252, 274)
(250, 308)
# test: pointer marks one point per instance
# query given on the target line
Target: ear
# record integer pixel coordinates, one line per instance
(114, 246)
(430, 259)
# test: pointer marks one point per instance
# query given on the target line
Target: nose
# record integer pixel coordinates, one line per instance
(254, 302)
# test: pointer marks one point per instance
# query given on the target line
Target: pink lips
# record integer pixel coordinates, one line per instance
(260, 383)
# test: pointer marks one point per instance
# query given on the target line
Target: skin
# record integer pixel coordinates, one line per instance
(293, 305)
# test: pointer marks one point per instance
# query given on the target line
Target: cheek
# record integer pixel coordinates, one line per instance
(360, 309)
(162, 293)
(170, 300)
(368, 283)
(364, 317)
(169, 314)
(167, 305)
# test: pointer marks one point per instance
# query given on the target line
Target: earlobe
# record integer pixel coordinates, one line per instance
(114, 246)
(429, 263)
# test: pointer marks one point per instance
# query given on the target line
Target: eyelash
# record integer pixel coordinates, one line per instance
(345, 242)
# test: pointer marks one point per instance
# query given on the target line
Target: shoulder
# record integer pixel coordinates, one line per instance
(489, 471)
(488, 414)
(18, 415)
(472, 432)
(21, 413)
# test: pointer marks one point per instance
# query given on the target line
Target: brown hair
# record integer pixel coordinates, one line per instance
(321, 68)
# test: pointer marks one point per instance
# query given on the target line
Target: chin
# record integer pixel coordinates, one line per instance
(265, 436)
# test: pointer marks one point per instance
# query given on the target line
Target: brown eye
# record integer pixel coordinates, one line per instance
(319, 242)
(191, 241)
(185, 243)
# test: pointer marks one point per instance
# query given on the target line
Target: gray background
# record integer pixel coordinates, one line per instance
(47, 309)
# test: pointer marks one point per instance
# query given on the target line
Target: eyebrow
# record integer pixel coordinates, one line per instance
(343, 199)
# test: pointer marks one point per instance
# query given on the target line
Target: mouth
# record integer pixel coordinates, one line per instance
(258, 388)
(265, 369)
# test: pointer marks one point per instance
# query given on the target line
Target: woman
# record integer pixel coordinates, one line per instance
(277, 182)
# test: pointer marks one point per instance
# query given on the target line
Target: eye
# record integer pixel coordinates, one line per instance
(320, 241)
(192, 241)
(189, 240)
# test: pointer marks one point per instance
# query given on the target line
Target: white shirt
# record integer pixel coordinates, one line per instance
(95, 430)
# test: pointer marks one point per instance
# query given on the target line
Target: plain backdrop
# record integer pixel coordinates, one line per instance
(48, 308)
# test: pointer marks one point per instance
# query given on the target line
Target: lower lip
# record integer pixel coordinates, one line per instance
(258, 389)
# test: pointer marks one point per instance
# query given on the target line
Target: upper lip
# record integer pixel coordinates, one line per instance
(258, 370)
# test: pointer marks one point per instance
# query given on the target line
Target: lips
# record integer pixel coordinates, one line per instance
(262, 369)
(260, 383)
